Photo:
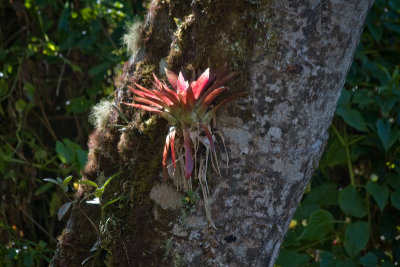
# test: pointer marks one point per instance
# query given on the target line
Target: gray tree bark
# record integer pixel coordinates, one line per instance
(291, 57)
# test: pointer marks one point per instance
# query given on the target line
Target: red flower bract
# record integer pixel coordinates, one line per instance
(184, 106)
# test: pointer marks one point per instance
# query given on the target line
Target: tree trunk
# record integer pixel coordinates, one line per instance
(292, 59)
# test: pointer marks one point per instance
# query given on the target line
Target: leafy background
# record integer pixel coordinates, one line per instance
(58, 58)
(350, 213)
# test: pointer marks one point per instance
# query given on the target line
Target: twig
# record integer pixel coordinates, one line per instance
(61, 74)
(49, 128)
(39, 226)
(15, 80)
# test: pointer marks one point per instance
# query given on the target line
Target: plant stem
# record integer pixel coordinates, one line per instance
(314, 243)
(346, 145)
(367, 198)
(350, 166)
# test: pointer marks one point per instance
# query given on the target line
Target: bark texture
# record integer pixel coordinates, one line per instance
(292, 58)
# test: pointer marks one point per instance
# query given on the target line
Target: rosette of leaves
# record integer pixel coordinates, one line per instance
(186, 106)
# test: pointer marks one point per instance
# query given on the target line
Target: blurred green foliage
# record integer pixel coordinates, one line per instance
(350, 213)
(57, 58)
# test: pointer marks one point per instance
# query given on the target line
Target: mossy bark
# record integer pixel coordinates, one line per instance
(291, 59)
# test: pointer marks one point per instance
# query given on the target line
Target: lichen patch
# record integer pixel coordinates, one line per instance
(166, 196)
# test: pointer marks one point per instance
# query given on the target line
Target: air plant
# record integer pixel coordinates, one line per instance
(186, 107)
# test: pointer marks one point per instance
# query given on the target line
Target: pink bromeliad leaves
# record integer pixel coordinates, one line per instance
(184, 106)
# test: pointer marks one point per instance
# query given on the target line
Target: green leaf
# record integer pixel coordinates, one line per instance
(28, 258)
(110, 179)
(345, 97)
(375, 31)
(393, 180)
(327, 259)
(369, 260)
(395, 198)
(29, 90)
(63, 21)
(12, 252)
(305, 209)
(87, 182)
(51, 180)
(67, 180)
(43, 188)
(346, 263)
(82, 156)
(387, 264)
(353, 118)
(392, 26)
(356, 238)
(113, 201)
(79, 105)
(325, 194)
(63, 210)
(335, 154)
(287, 258)
(65, 153)
(54, 203)
(394, 4)
(291, 237)
(351, 202)
(99, 69)
(319, 225)
(386, 134)
(99, 191)
(363, 97)
(379, 192)
(75, 67)
(71, 144)
(40, 154)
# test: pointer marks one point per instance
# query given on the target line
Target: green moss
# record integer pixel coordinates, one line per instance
(133, 186)
(217, 34)
(144, 73)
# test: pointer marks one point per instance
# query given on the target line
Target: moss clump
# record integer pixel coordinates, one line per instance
(99, 114)
(132, 36)
(144, 73)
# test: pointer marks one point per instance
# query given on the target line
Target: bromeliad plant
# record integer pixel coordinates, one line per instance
(187, 109)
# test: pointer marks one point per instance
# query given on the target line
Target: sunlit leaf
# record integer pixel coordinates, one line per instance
(67, 180)
(87, 182)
